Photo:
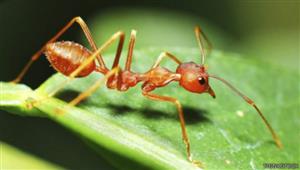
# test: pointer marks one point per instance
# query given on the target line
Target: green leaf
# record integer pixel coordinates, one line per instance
(131, 131)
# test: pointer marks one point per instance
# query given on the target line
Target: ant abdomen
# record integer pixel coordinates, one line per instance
(67, 56)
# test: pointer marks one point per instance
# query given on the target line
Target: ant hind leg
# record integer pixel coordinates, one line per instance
(113, 38)
(93, 87)
(88, 35)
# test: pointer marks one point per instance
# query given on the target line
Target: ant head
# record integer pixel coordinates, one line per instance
(194, 78)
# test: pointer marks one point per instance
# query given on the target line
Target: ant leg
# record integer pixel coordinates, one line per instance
(94, 87)
(181, 118)
(119, 50)
(87, 33)
(198, 33)
(162, 56)
(90, 59)
(130, 50)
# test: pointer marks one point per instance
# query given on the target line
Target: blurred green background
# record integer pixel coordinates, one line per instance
(265, 29)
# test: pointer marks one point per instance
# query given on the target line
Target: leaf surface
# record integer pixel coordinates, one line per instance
(135, 131)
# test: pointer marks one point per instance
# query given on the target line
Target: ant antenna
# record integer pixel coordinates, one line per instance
(200, 34)
(249, 101)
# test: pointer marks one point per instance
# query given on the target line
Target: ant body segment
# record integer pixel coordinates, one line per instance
(74, 60)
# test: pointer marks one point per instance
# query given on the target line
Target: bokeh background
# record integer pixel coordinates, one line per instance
(268, 30)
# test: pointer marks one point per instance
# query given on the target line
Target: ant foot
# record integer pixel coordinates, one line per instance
(196, 163)
(59, 111)
(30, 103)
(62, 110)
(14, 81)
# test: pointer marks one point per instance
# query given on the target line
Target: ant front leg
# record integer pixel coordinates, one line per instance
(182, 122)
(88, 35)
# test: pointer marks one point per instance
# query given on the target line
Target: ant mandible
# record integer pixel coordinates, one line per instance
(74, 60)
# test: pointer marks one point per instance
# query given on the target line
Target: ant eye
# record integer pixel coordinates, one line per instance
(201, 80)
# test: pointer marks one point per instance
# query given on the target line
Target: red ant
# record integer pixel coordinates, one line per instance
(74, 60)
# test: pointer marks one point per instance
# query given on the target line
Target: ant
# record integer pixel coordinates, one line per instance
(74, 60)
